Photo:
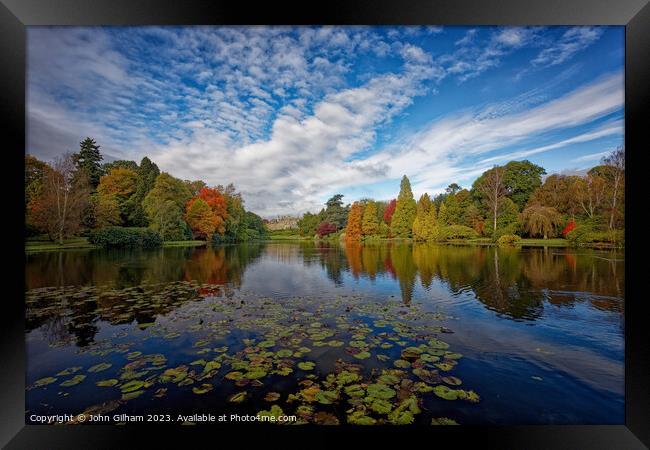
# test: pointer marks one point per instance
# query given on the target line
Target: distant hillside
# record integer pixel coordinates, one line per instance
(281, 223)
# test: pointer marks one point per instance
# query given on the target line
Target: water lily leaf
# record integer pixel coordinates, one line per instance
(267, 344)
(255, 373)
(99, 367)
(238, 397)
(402, 364)
(388, 379)
(324, 418)
(443, 421)
(347, 377)
(335, 344)
(211, 365)
(203, 389)
(132, 395)
(107, 383)
(73, 381)
(133, 355)
(284, 353)
(69, 371)
(284, 371)
(160, 392)
(327, 397)
(220, 349)
(445, 392)
(131, 386)
(429, 358)
(201, 343)
(306, 365)
(358, 344)
(275, 411)
(185, 382)
(355, 390)
(383, 357)
(360, 418)
(379, 390)
(439, 345)
(362, 355)
(381, 406)
(272, 396)
(44, 381)
(198, 362)
(386, 345)
(450, 355)
(454, 381)
(470, 396)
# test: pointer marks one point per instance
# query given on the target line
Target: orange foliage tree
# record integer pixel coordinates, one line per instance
(353, 229)
(218, 205)
(201, 219)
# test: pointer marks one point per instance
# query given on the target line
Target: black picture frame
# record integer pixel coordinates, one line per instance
(15, 15)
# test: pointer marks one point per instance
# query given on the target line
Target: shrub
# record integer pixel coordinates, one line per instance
(586, 234)
(457, 232)
(508, 240)
(125, 237)
(325, 228)
(570, 226)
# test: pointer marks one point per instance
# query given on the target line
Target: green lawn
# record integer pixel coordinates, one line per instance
(40, 244)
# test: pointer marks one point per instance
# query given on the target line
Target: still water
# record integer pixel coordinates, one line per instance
(384, 333)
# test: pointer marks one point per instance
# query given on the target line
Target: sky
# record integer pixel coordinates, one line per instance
(293, 115)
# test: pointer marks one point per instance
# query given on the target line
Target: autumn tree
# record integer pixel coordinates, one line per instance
(370, 223)
(540, 220)
(557, 192)
(201, 219)
(325, 229)
(88, 161)
(115, 189)
(353, 229)
(589, 193)
(389, 211)
(405, 211)
(308, 223)
(64, 195)
(443, 220)
(218, 205)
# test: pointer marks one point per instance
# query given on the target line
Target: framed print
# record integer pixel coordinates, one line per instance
(373, 221)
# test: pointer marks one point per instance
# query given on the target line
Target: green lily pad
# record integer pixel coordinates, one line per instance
(284, 353)
(402, 364)
(99, 367)
(445, 392)
(275, 411)
(107, 383)
(131, 386)
(327, 397)
(44, 381)
(454, 381)
(255, 374)
(362, 355)
(360, 418)
(239, 397)
(379, 390)
(203, 389)
(69, 371)
(306, 365)
(325, 418)
(73, 381)
(132, 395)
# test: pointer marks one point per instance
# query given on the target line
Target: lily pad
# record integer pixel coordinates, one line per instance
(107, 383)
(306, 365)
(99, 367)
(272, 396)
(362, 355)
(239, 397)
(203, 389)
(44, 381)
(73, 381)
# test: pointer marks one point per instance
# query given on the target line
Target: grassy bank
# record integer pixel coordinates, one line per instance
(43, 245)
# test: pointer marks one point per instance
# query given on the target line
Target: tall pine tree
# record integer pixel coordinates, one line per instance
(88, 160)
(405, 211)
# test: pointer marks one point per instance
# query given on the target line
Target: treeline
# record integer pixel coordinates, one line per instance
(505, 202)
(78, 195)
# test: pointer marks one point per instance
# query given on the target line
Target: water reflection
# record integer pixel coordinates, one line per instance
(516, 283)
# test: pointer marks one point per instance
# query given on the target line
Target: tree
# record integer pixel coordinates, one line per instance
(120, 164)
(164, 206)
(335, 212)
(147, 174)
(452, 189)
(64, 195)
(389, 211)
(107, 211)
(405, 211)
(424, 203)
(589, 193)
(119, 185)
(88, 160)
(557, 192)
(474, 219)
(520, 179)
(491, 187)
(194, 186)
(540, 220)
(442, 215)
(308, 223)
(201, 219)
(325, 229)
(616, 163)
(508, 218)
(353, 229)
(218, 205)
(425, 223)
(453, 212)
(370, 223)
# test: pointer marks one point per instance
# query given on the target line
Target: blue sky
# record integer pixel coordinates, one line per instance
(293, 115)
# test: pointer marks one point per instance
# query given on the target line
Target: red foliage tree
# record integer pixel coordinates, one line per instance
(570, 226)
(325, 228)
(389, 211)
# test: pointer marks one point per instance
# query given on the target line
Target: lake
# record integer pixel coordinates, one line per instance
(331, 333)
